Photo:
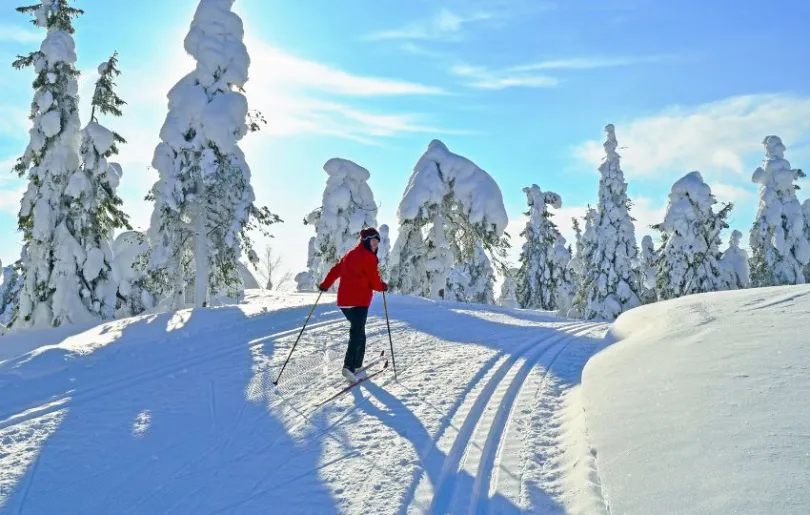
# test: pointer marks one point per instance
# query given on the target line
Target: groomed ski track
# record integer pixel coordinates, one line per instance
(177, 413)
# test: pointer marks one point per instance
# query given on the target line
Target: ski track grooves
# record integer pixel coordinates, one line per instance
(491, 453)
(445, 494)
(11, 418)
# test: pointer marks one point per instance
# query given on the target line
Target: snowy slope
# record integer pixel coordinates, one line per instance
(702, 407)
(176, 413)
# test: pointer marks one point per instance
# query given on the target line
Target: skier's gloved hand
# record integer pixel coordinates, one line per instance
(321, 288)
(384, 287)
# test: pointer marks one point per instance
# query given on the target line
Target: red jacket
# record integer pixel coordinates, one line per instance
(359, 278)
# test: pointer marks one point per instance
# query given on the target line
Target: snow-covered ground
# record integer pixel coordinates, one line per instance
(177, 413)
(696, 405)
(704, 405)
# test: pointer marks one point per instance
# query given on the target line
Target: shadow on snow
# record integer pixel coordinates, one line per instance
(143, 434)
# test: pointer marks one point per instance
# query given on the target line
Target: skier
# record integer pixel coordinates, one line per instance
(359, 279)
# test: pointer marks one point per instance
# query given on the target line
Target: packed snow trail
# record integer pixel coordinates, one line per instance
(176, 413)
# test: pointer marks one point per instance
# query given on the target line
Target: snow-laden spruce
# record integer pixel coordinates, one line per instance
(689, 260)
(567, 283)
(508, 295)
(735, 265)
(542, 279)
(806, 212)
(449, 210)
(94, 205)
(347, 207)
(609, 285)
(384, 252)
(473, 280)
(575, 268)
(203, 199)
(586, 239)
(10, 284)
(53, 287)
(647, 271)
(778, 241)
(130, 251)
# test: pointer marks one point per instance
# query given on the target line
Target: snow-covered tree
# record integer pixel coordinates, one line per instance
(806, 212)
(473, 280)
(203, 200)
(578, 264)
(734, 264)
(408, 260)
(450, 209)
(689, 260)
(779, 242)
(135, 291)
(577, 238)
(647, 271)
(384, 252)
(9, 295)
(347, 207)
(574, 267)
(609, 286)
(508, 296)
(92, 201)
(53, 287)
(542, 267)
(566, 284)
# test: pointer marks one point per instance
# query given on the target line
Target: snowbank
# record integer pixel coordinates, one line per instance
(703, 405)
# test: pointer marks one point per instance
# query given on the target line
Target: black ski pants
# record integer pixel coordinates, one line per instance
(357, 337)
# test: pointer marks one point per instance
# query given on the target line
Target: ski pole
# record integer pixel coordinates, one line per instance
(393, 361)
(275, 383)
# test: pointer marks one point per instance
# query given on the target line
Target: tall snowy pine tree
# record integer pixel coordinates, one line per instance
(541, 271)
(95, 205)
(689, 261)
(779, 243)
(54, 287)
(203, 200)
(609, 285)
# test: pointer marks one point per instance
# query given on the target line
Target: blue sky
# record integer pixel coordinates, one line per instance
(523, 88)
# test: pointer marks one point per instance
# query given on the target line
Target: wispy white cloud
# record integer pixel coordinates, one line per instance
(587, 63)
(16, 34)
(721, 138)
(524, 75)
(274, 67)
(731, 193)
(480, 77)
(444, 25)
(298, 96)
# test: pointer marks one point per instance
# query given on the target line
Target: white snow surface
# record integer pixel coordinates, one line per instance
(701, 407)
(176, 412)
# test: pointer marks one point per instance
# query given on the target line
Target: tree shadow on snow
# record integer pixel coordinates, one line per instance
(160, 421)
(459, 323)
